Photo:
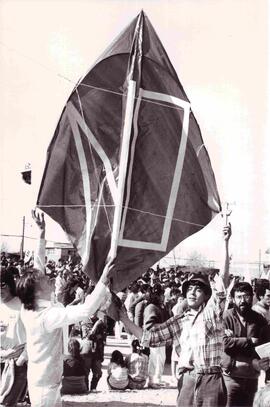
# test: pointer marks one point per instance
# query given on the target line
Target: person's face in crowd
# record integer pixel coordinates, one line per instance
(5, 293)
(242, 302)
(173, 299)
(196, 296)
(180, 299)
(158, 298)
(265, 299)
(161, 299)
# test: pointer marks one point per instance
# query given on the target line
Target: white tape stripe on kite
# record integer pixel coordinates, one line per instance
(177, 176)
(131, 161)
(162, 246)
(123, 167)
(165, 98)
(93, 141)
(85, 240)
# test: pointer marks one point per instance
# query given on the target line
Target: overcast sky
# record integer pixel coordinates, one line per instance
(220, 52)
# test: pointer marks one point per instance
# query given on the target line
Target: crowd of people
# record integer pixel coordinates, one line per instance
(55, 320)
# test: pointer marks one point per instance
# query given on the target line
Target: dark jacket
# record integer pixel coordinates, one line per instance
(73, 366)
(154, 315)
(239, 348)
(139, 312)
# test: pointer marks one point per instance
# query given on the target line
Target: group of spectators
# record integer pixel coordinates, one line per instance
(54, 326)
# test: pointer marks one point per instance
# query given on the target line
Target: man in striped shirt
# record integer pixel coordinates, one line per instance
(198, 337)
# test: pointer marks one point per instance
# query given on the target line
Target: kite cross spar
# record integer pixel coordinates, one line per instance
(127, 175)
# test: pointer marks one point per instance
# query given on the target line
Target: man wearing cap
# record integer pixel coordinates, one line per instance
(197, 335)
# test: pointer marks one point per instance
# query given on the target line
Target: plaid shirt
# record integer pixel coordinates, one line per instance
(197, 336)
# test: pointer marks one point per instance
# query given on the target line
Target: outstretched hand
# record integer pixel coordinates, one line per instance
(105, 274)
(39, 219)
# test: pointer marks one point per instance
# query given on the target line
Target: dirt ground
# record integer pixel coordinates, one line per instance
(103, 397)
(165, 397)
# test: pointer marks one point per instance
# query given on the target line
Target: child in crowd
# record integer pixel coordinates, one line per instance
(137, 364)
(74, 380)
(117, 372)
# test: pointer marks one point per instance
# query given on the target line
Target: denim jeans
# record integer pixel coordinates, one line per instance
(201, 390)
(186, 386)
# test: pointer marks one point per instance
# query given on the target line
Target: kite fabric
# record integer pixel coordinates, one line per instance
(127, 174)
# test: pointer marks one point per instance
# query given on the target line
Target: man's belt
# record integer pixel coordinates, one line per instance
(208, 370)
(201, 370)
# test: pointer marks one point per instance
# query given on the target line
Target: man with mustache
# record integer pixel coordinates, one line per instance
(243, 329)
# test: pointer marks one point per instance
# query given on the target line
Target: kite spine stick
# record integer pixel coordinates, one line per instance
(123, 167)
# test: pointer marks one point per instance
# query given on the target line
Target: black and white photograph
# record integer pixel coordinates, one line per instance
(135, 203)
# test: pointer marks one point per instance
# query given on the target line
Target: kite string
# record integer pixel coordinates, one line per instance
(125, 207)
(76, 84)
(80, 103)
(135, 97)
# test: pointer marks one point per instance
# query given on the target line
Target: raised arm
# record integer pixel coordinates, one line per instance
(39, 256)
(99, 299)
(224, 272)
(117, 311)
(227, 232)
(129, 325)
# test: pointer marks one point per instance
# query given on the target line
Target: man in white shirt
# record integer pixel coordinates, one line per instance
(44, 322)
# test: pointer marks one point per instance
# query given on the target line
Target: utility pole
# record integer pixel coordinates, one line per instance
(22, 242)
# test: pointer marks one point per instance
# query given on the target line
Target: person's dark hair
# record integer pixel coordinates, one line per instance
(75, 331)
(117, 357)
(261, 289)
(175, 291)
(242, 286)
(144, 288)
(136, 347)
(134, 287)
(158, 289)
(26, 288)
(74, 348)
(155, 294)
(7, 277)
(67, 294)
